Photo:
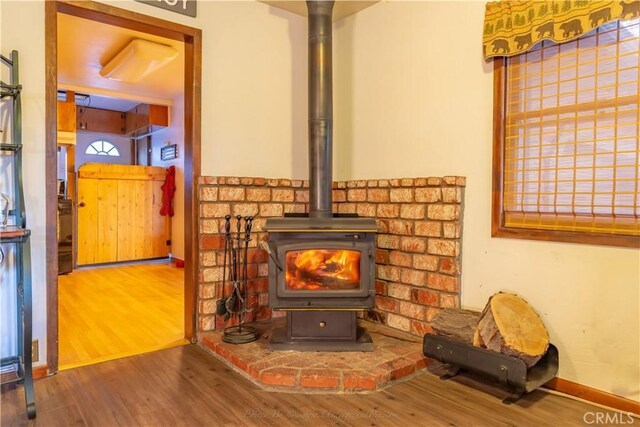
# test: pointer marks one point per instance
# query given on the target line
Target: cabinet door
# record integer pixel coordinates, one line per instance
(107, 221)
(97, 221)
(128, 219)
(66, 116)
(87, 221)
(142, 231)
(131, 120)
(99, 120)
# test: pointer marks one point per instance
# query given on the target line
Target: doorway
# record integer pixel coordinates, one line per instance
(190, 117)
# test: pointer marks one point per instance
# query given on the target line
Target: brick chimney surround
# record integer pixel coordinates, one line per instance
(418, 255)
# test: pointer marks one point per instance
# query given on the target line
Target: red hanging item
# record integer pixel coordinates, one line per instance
(168, 190)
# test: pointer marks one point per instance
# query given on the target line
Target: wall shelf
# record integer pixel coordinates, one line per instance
(18, 368)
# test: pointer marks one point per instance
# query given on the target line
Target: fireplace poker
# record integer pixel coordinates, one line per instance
(248, 220)
(236, 270)
(265, 247)
(221, 308)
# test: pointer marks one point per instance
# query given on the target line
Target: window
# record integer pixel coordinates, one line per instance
(102, 148)
(566, 150)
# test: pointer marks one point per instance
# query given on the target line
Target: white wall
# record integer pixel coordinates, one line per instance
(254, 80)
(121, 142)
(414, 98)
(254, 85)
(253, 99)
(17, 31)
(173, 134)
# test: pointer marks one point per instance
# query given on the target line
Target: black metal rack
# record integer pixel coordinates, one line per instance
(508, 371)
(18, 369)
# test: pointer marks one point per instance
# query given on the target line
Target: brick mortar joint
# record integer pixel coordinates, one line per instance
(447, 181)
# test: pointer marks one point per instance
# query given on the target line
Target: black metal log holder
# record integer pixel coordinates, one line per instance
(235, 264)
(508, 371)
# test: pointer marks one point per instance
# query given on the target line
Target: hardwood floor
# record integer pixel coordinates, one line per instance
(186, 386)
(115, 311)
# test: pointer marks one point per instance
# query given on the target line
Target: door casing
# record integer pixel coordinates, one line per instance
(192, 38)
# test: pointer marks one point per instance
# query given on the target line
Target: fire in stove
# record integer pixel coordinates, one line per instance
(320, 264)
(322, 270)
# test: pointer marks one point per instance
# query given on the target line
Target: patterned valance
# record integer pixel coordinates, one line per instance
(513, 27)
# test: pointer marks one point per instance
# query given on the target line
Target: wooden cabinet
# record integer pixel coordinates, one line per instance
(141, 120)
(99, 120)
(66, 121)
(66, 116)
(145, 119)
(119, 214)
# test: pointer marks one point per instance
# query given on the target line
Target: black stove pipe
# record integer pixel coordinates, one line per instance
(320, 109)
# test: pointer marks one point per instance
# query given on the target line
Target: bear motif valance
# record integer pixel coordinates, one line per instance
(513, 27)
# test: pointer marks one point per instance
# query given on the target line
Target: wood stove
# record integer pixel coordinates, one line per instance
(322, 271)
(321, 267)
(319, 263)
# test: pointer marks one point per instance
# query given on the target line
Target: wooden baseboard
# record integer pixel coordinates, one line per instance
(40, 371)
(36, 372)
(594, 395)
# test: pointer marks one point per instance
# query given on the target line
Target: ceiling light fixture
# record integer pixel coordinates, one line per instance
(138, 59)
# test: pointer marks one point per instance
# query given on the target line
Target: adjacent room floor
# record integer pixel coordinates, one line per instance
(109, 312)
(186, 386)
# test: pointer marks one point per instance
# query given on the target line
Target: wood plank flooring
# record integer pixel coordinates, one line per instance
(186, 386)
(109, 312)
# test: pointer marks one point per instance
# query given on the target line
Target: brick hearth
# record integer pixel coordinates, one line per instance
(397, 356)
(418, 246)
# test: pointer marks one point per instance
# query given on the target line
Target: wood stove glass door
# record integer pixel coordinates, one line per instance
(322, 270)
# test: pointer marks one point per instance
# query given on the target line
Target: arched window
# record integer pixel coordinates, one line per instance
(102, 148)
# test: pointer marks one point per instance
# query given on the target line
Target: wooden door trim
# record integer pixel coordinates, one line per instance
(51, 178)
(192, 38)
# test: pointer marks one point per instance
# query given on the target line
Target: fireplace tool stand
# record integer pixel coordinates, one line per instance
(235, 260)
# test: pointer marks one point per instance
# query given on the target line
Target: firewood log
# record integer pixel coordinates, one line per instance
(456, 323)
(509, 325)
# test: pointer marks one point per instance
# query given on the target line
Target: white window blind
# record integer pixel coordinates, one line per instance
(571, 159)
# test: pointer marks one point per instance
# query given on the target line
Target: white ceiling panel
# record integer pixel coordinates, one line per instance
(84, 46)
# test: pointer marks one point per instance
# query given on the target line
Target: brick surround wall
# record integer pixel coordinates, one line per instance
(418, 245)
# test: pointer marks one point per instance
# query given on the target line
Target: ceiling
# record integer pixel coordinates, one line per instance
(84, 46)
(98, 101)
(341, 9)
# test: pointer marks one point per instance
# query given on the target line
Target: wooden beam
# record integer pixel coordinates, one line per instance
(51, 179)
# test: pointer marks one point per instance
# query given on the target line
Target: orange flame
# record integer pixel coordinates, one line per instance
(322, 269)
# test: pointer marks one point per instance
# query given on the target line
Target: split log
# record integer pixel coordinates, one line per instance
(509, 325)
(456, 323)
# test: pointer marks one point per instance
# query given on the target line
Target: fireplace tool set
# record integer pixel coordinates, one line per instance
(235, 277)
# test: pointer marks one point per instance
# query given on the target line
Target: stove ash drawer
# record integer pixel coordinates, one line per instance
(321, 325)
